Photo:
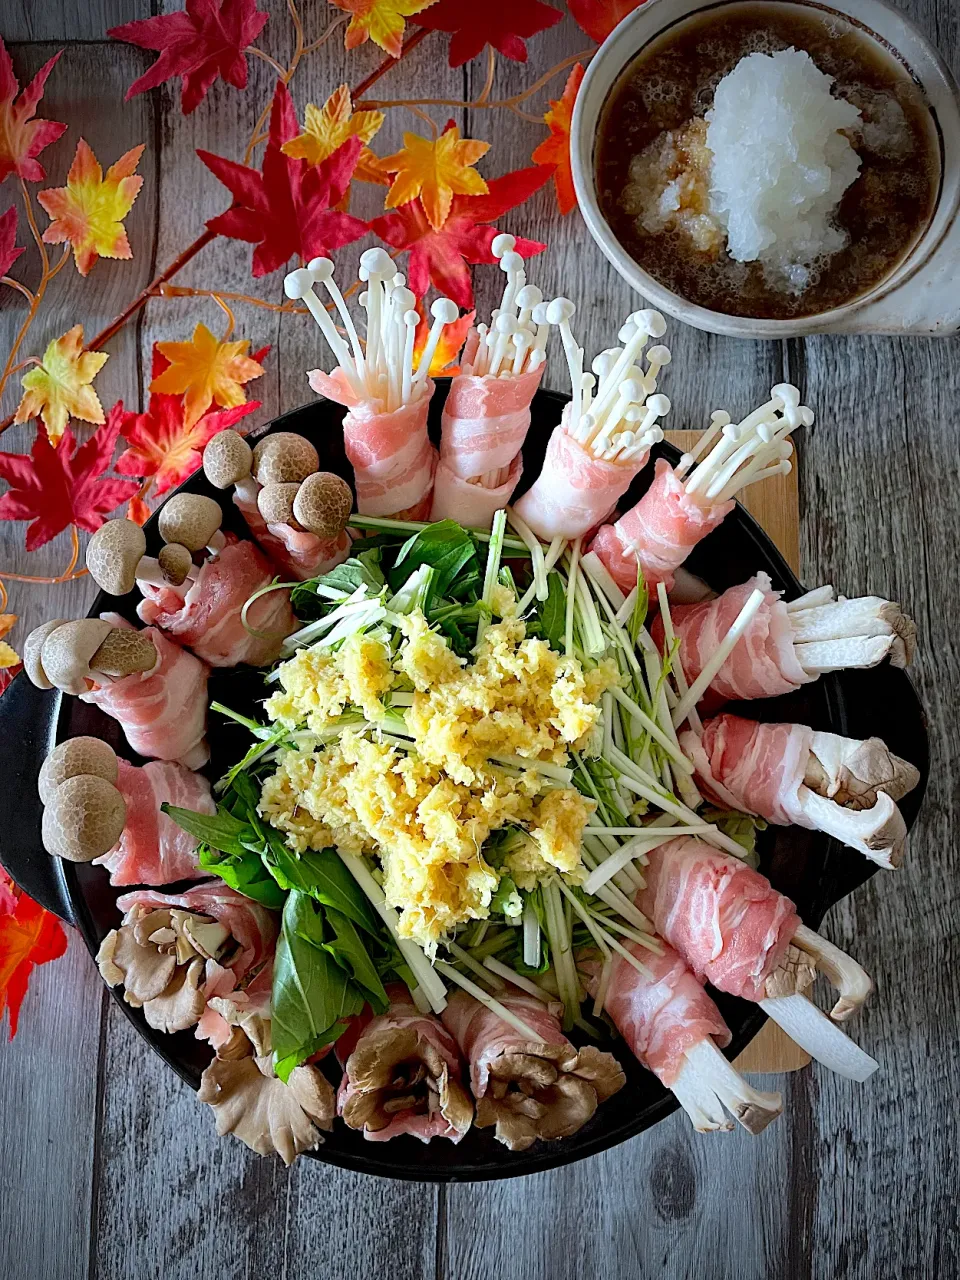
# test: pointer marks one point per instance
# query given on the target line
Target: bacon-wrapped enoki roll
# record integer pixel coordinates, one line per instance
(603, 439)
(385, 428)
(674, 1028)
(529, 1086)
(735, 930)
(789, 774)
(682, 506)
(174, 951)
(487, 412)
(401, 1075)
(153, 849)
(786, 645)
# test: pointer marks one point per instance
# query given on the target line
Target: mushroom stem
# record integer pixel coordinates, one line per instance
(852, 982)
(708, 1083)
(812, 1030)
(879, 833)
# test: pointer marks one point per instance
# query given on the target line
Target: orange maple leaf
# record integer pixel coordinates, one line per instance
(452, 338)
(89, 210)
(435, 171)
(381, 21)
(59, 387)
(205, 370)
(327, 128)
(138, 511)
(555, 150)
(29, 936)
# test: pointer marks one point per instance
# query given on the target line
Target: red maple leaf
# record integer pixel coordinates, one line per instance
(7, 677)
(58, 487)
(29, 936)
(21, 137)
(161, 445)
(598, 17)
(9, 252)
(504, 24)
(287, 209)
(207, 39)
(441, 257)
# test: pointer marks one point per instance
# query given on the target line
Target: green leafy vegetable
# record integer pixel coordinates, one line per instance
(220, 831)
(552, 613)
(348, 950)
(449, 550)
(244, 872)
(320, 874)
(638, 615)
(507, 901)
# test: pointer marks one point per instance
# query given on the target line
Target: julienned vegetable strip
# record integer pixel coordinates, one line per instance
(670, 636)
(571, 597)
(516, 979)
(485, 998)
(383, 525)
(718, 658)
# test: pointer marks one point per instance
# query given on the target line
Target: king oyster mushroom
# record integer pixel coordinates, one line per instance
(193, 520)
(228, 461)
(117, 559)
(70, 654)
(322, 504)
(159, 956)
(74, 758)
(284, 458)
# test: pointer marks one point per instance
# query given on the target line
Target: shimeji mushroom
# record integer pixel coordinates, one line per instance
(31, 652)
(117, 559)
(323, 504)
(275, 502)
(73, 653)
(73, 758)
(176, 564)
(83, 819)
(228, 460)
(284, 458)
(192, 520)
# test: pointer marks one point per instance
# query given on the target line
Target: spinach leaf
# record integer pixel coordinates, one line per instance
(321, 875)
(220, 830)
(448, 549)
(244, 872)
(312, 995)
(553, 613)
(350, 953)
(362, 569)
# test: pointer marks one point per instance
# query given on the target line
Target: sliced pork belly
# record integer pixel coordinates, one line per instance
(673, 1028)
(401, 1075)
(658, 533)
(208, 619)
(576, 490)
(391, 454)
(789, 774)
(162, 712)
(297, 554)
(153, 849)
(529, 1087)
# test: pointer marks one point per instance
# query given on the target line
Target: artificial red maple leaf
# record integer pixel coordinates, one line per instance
(57, 487)
(598, 17)
(29, 936)
(207, 39)
(7, 677)
(287, 209)
(555, 150)
(9, 251)
(162, 446)
(441, 257)
(21, 137)
(504, 24)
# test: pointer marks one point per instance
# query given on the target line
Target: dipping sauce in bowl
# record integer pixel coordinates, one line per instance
(656, 182)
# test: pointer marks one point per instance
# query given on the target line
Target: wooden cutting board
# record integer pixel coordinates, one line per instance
(775, 504)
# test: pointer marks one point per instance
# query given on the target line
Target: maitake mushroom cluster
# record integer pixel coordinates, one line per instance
(72, 656)
(84, 813)
(281, 475)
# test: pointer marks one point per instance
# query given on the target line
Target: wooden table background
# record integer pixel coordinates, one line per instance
(109, 1169)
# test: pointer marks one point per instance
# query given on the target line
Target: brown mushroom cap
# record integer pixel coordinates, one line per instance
(191, 519)
(176, 562)
(83, 819)
(284, 458)
(227, 459)
(75, 757)
(31, 652)
(323, 504)
(67, 651)
(276, 502)
(113, 554)
(124, 652)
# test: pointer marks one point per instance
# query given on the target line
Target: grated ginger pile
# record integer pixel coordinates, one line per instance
(427, 811)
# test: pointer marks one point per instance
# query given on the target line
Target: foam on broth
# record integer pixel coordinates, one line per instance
(884, 212)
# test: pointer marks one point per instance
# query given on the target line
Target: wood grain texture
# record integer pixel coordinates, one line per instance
(120, 1175)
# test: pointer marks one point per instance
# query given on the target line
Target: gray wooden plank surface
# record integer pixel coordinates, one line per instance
(848, 1184)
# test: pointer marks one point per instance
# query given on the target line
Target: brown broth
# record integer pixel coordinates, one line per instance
(671, 81)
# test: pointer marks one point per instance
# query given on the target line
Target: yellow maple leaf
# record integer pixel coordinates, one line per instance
(7, 622)
(435, 171)
(59, 387)
(381, 21)
(203, 370)
(89, 211)
(8, 656)
(327, 128)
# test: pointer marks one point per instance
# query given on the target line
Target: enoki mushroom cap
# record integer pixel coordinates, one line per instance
(113, 554)
(74, 758)
(323, 504)
(284, 458)
(191, 519)
(83, 819)
(31, 652)
(175, 561)
(227, 459)
(276, 502)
